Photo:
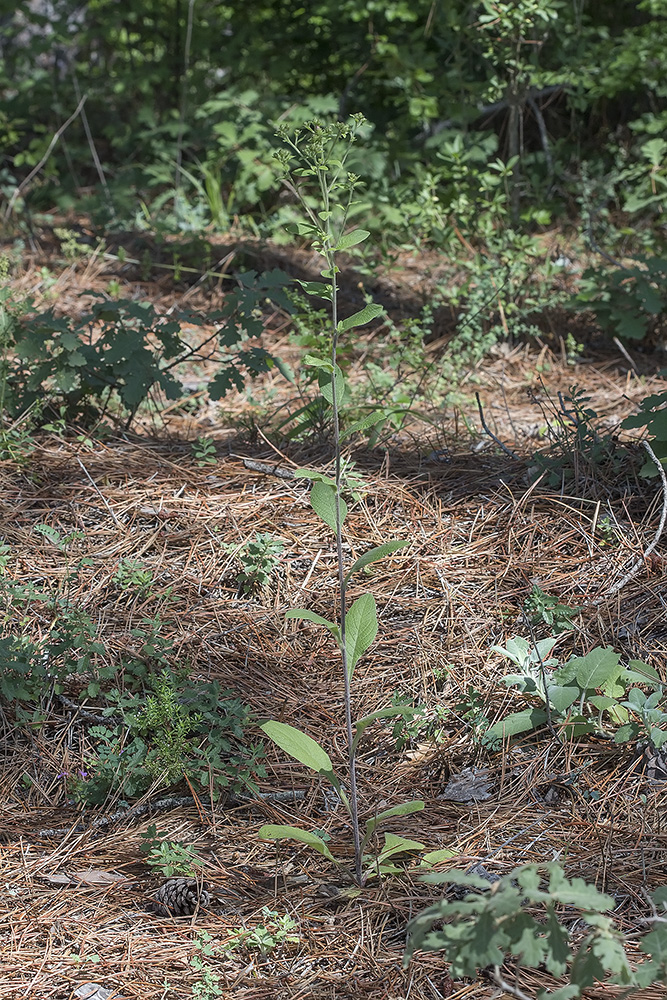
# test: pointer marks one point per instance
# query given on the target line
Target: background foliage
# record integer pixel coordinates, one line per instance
(539, 109)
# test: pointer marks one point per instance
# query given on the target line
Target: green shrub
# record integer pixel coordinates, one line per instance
(522, 916)
(125, 349)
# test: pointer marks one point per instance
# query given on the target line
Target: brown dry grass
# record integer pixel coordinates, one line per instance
(479, 535)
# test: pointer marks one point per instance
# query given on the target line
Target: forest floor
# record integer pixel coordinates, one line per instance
(483, 526)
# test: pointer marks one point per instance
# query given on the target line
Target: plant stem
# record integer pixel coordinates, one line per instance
(330, 257)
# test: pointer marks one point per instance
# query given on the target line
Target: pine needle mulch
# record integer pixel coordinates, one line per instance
(481, 532)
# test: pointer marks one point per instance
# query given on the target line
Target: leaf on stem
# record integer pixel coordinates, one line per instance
(361, 627)
(323, 502)
(360, 318)
(373, 555)
(312, 616)
(370, 420)
(271, 832)
(404, 809)
(351, 239)
(300, 746)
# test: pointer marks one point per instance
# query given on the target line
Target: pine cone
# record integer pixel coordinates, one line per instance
(180, 897)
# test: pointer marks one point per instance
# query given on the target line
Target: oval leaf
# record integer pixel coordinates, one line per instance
(351, 239)
(304, 749)
(379, 552)
(596, 668)
(311, 616)
(271, 832)
(560, 698)
(323, 502)
(360, 318)
(393, 844)
(361, 627)
(517, 722)
(326, 384)
(370, 420)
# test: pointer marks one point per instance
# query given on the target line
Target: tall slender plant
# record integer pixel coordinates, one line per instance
(317, 155)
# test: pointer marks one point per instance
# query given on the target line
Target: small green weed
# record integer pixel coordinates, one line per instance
(630, 301)
(276, 930)
(653, 416)
(177, 729)
(258, 558)
(471, 709)
(203, 452)
(547, 610)
(421, 724)
(208, 984)
(132, 575)
(169, 857)
(577, 450)
(124, 350)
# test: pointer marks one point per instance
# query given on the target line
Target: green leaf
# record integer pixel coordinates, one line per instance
(360, 318)
(321, 288)
(393, 844)
(373, 555)
(300, 746)
(517, 722)
(271, 832)
(301, 229)
(315, 362)
(560, 698)
(383, 713)
(325, 381)
(284, 369)
(404, 809)
(602, 702)
(624, 733)
(361, 627)
(435, 857)
(640, 672)
(370, 420)
(351, 239)
(312, 616)
(323, 502)
(596, 668)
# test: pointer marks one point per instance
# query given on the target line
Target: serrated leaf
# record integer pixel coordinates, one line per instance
(373, 555)
(323, 502)
(299, 746)
(361, 628)
(365, 315)
(272, 832)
